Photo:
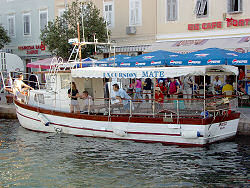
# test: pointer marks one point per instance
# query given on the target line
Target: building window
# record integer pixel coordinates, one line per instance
(201, 8)
(11, 25)
(234, 6)
(43, 19)
(135, 12)
(27, 24)
(171, 10)
(109, 13)
(61, 12)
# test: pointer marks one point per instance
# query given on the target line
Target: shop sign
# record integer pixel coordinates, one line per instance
(230, 22)
(189, 43)
(32, 49)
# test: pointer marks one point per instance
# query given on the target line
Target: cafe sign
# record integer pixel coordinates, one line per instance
(32, 49)
(230, 22)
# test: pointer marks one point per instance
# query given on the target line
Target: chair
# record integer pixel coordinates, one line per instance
(243, 98)
(228, 93)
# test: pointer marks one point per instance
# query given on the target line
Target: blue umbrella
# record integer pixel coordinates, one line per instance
(209, 56)
(156, 58)
(87, 62)
(114, 60)
(239, 59)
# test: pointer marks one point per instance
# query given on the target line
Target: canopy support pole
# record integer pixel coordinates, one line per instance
(204, 96)
(114, 56)
(109, 98)
(154, 80)
(236, 90)
(193, 87)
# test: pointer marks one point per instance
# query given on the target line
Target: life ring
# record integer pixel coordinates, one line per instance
(25, 93)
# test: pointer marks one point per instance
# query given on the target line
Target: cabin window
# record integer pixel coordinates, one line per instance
(234, 6)
(39, 98)
(201, 8)
(65, 81)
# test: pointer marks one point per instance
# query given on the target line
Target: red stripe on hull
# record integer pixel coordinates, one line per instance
(89, 129)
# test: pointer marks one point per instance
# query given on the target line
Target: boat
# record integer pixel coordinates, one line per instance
(191, 122)
(203, 121)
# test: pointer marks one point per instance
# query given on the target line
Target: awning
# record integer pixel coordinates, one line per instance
(156, 72)
(238, 44)
(44, 63)
(128, 48)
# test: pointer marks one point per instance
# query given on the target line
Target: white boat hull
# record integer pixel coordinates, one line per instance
(181, 134)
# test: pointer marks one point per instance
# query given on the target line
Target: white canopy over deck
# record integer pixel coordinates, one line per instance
(152, 72)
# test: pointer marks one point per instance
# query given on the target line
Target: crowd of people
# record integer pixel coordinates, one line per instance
(173, 88)
(144, 90)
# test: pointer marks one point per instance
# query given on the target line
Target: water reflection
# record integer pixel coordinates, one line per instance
(52, 160)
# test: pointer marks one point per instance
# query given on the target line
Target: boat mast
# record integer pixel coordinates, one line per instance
(79, 42)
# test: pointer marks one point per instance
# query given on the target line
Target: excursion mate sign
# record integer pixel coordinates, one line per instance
(143, 74)
(230, 22)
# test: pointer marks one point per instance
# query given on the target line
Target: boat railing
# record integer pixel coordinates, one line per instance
(9, 78)
(168, 108)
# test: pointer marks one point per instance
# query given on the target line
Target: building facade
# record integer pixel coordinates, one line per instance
(137, 25)
(198, 24)
(132, 22)
(177, 25)
(24, 19)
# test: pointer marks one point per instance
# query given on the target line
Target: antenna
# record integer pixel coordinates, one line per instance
(82, 9)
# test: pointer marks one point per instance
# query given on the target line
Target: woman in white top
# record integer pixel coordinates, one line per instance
(20, 88)
(19, 85)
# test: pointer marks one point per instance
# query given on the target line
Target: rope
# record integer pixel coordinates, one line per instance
(245, 116)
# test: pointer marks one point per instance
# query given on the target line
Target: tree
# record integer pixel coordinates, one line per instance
(4, 38)
(58, 32)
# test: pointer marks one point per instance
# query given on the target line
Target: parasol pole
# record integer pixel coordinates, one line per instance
(204, 97)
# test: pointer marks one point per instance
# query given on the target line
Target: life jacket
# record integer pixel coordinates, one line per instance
(172, 87)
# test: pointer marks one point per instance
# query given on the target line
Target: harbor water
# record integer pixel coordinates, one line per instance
(31, 159)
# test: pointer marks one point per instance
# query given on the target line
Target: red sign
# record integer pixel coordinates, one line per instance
(213, 25)
(32, 49)
(237, 23)
(190, 42)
